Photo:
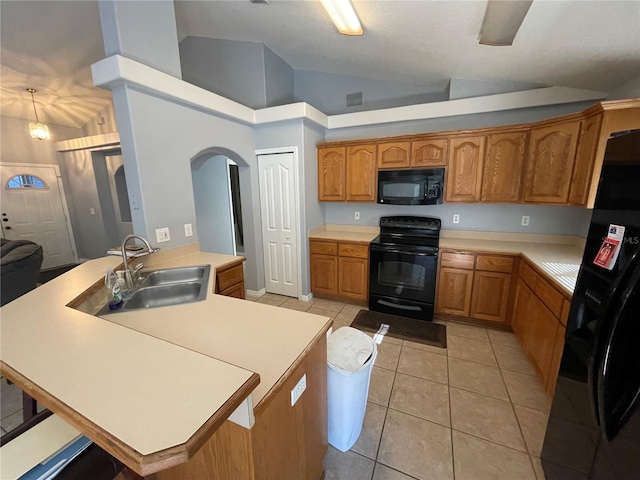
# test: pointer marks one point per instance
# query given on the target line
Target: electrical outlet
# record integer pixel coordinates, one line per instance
(188, 231)
(456, 218)
(297, 391)
(525, 221)
(162, 235)
(92, 211)
(357, 216)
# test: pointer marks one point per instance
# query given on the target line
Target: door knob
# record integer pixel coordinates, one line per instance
(288, 237)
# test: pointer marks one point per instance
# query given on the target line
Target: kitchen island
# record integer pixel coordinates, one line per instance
(186, 391)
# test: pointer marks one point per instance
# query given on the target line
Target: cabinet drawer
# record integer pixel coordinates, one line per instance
(458, 260)
(357, 251)
(324, 248)
(494, 264)
(550, 296)
(528, 275)
(236, 291)
(229, 278)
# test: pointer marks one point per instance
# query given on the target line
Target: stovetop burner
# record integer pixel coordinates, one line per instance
(408, 231)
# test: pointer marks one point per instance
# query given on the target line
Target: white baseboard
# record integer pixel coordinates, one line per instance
(256, 293)
(306, 298)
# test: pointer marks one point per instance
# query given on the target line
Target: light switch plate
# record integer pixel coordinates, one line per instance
(456, 218)
(297, 391)
(188, 230)
(162, 235)
(525, 221)
(357, 216)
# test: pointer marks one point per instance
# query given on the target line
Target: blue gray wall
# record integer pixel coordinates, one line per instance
(631, 89)
(278, 79)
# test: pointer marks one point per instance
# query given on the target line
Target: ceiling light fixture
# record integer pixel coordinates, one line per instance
(38, 130)
(343, 16)
(502, 21)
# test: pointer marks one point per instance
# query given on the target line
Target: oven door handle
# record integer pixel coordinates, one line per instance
(415, 254)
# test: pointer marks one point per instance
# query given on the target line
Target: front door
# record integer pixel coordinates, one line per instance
(279, 223)
(33, 209)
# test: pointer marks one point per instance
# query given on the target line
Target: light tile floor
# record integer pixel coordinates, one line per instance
(474, 411)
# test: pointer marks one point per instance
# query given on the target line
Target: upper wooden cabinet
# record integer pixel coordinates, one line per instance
(429, 153)
(332, 174)
(394, 155)
(361, 173)
(464, 171)
(581, 178)
(550, 159)
(347, 173)
(503, 164)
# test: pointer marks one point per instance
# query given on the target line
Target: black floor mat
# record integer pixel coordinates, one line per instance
(404, 328)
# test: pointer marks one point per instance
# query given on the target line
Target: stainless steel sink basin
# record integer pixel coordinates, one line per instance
(175, 275)
(165, 287)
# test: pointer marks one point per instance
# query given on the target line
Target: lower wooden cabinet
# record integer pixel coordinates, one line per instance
(475, 286)
(340, 270)
(230, 280)
(538, 324)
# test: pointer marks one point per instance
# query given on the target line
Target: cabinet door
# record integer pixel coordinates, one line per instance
(550, 159)
(236, 291)
(555, 361)
(490, 296)
(464, 169)
(353, 279)
(454, 291)
(394, 155)
(542, 338)
(429, 153)
(521, 320)
(585, 158)
(332, 171)
(503, 163)
(324, 274)
(361, 173)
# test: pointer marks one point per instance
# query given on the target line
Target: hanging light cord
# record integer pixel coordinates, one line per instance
(32, 91)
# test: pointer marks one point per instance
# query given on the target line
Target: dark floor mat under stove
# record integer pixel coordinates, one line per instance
(419, 331)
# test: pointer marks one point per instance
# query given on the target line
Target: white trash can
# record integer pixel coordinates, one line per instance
(350, 356)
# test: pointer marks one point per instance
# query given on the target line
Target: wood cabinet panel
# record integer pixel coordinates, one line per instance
(493, 263)
(454, 291)
(236, 291)
(228, 278)
(521, 320)
(332, 174)
(464, 169)
(564, 316)
(394, 155)
(457, 260)
(323, 248)
(527, 274)
(541, 338)
(429, 153)
(551, 297)
(361, 173)
(503, 164)
(490, 296)
(350, 250)
(585, 158)
(324, 274)
(554, 368)
(550, 159)
(353, 278)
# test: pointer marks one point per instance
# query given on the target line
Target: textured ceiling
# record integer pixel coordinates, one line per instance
(50, 45)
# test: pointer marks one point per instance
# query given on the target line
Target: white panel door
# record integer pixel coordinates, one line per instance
(279, 223)
(36, 212)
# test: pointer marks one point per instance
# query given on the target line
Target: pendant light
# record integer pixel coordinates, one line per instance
(38, 130)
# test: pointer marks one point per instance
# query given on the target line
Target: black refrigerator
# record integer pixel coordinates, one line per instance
(594, 425)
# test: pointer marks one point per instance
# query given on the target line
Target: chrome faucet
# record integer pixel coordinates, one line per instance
(127, 273)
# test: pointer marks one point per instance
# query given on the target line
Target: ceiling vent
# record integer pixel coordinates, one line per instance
(354, 99)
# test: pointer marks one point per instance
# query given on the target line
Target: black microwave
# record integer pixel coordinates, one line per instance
(411, 187)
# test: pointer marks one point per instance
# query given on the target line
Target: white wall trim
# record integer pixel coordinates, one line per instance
(90, 142)
(306, 298)
(256, 293)
(298, 212)
(118, 70)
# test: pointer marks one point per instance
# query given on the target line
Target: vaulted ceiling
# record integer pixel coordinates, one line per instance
(50, 45)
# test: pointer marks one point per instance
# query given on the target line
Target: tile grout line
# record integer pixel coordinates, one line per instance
(453, 456)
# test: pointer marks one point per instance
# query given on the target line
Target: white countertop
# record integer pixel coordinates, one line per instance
(149, 378)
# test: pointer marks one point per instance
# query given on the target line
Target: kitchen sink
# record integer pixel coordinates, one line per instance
(165, 287)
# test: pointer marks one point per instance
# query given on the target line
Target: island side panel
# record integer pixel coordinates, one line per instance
(291, 441)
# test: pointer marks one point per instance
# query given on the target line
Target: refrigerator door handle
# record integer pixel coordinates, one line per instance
(616, 385)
